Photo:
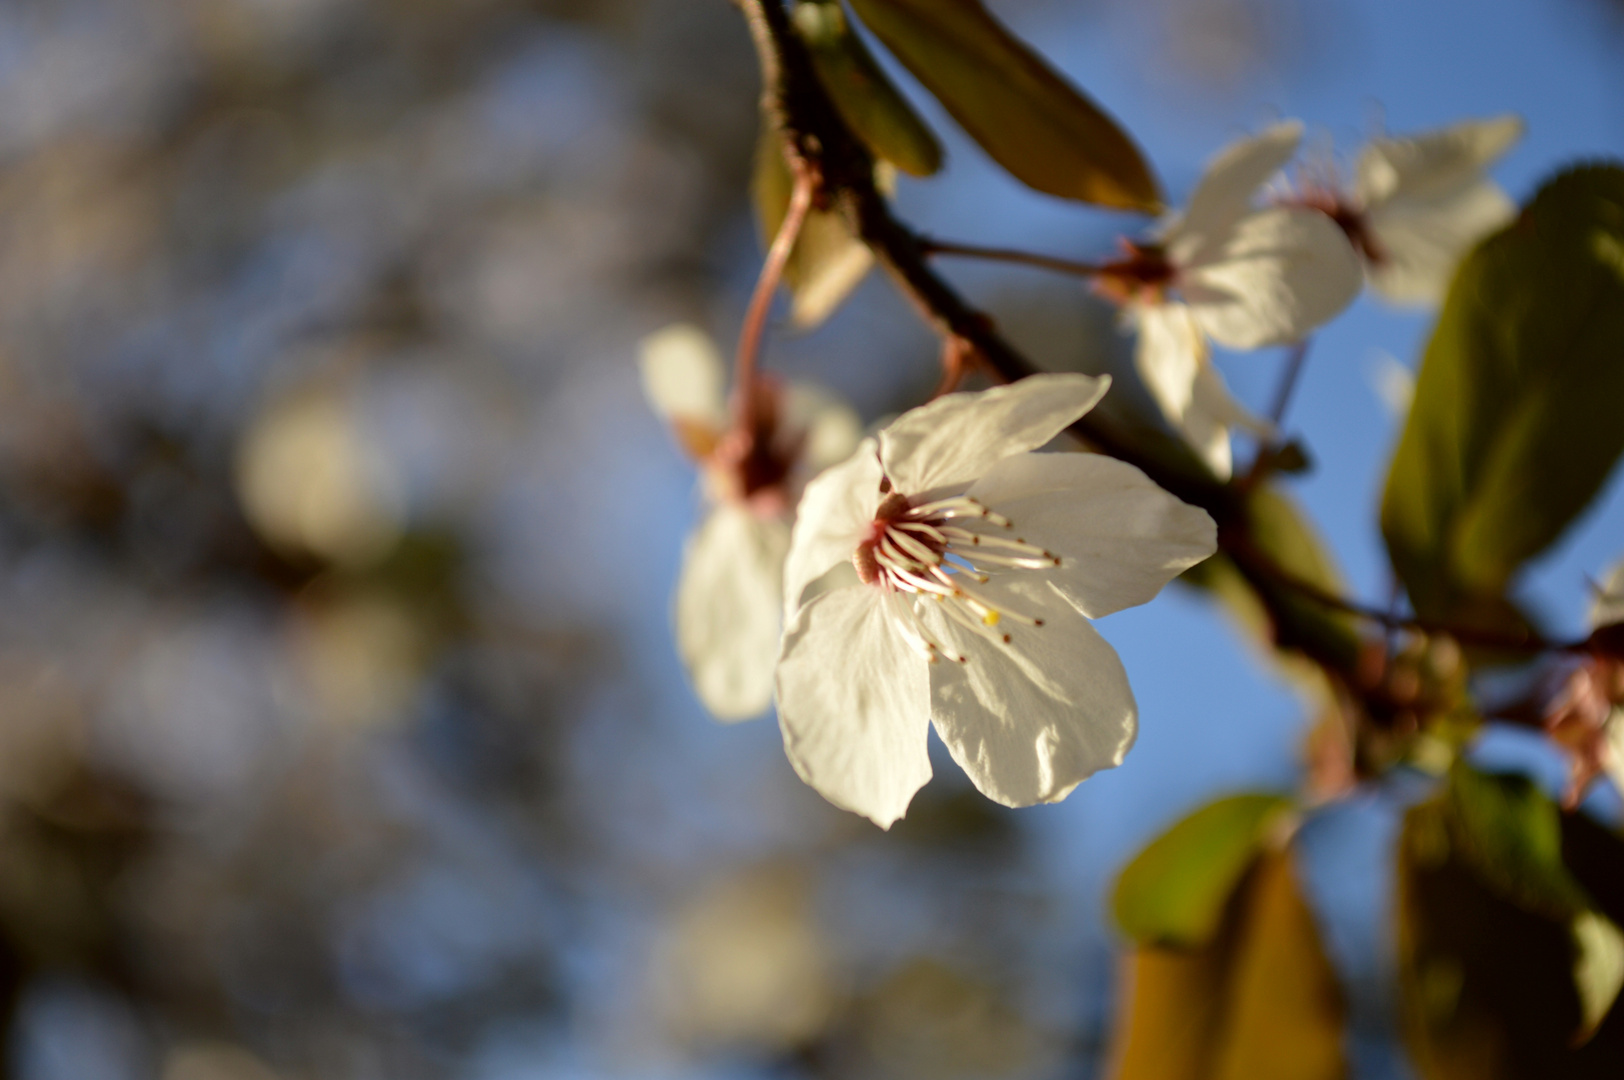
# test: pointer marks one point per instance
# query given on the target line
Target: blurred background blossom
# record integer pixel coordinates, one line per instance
(341, 731)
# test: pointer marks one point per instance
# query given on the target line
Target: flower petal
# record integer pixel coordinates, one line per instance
(1281, 273)
(1434, 163)
(729, 607)
(1608, 604)
(832, 518)
(956, 438)
(684, 376)
(1120, 537)
(1227, 189)
(1173, 359)
(1030, 720)
(854, 702)
(1421, 241)
(828, 428)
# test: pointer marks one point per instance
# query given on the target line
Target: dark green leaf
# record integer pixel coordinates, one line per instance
(1174, 891)
(1515, 425)
(1505, 967)
(1491, 990)
(1511, 832)
(865, 98)
(1025, 115)
(1595, 856)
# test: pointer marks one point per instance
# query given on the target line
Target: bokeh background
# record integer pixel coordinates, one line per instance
(341, 730)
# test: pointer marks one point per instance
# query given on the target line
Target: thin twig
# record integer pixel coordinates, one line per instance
(1531, 643)
(1268, 452)
(1288, 381)
(1009, 255)
(761, 301)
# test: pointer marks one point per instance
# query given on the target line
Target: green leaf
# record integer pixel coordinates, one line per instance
(1024, 114)
(1516, 424)
(873, 108)
(1485, 986)
(1595, 856)
(1260, 1001)
(827, 262)
(1506, 966)
(1511, 832)
(1174, 891)
(1598, 970)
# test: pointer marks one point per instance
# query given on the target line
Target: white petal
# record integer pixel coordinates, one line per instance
(728, 610)
(1608, 605)
(1434, 163)
(1228, 187)
(1170, 350)
(1613, 753)
(1281, 273)
(956, 438)
(684, 377)
(1421, 241)
(1173, 359)
(1030, 720)
(854, 702)
(828, 429)
(1120, 537)
(832, 519)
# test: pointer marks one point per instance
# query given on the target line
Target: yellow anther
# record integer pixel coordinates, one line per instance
(990, 618)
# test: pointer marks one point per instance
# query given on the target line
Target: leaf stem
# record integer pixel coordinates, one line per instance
(929, 246)
(1288, 381)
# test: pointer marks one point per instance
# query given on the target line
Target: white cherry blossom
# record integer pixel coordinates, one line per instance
(728, 609)
(1607, 609)
(1585, 710)
(1228, 272)
(1607, 606)
(946, 573)
(1417, 204)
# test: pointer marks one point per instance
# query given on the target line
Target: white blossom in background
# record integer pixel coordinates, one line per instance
(1607, 606)
(946, 573)
(1586, 714)
(1417, 204)
(728, 607)
(1226, 271)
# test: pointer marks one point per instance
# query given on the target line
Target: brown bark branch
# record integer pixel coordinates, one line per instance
(815, 138)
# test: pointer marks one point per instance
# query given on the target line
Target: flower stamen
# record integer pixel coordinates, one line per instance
(918, 550)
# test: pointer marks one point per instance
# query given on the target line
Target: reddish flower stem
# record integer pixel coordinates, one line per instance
(745, 363)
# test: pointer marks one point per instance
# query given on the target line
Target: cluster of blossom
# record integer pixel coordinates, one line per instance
(1585, 713)
(945, 571)
(1248, 273)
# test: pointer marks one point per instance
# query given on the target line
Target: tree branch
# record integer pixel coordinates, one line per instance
(815, 138)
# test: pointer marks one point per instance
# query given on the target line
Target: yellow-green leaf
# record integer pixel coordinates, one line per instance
(1023, 113)
(1598, 970)
(873, 108)
(1174, 891)
(827, 262)
(1260, 1001)
(1516, 421)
